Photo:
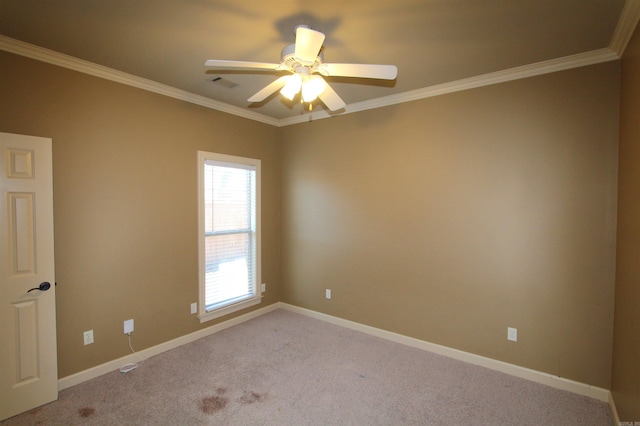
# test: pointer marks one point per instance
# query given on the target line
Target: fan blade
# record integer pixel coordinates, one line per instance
(269, 89)
(384, 72)
(308, 44)
(214, 63)
(331, 99)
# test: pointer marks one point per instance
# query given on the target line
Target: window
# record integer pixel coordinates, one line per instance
(229, 233)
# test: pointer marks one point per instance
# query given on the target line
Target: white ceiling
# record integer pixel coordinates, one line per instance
(432, 42)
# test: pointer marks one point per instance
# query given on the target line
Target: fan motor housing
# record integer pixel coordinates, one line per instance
(288, 58)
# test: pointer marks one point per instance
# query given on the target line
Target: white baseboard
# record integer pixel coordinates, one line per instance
(114, 365)
(504, 367)
(614, 410)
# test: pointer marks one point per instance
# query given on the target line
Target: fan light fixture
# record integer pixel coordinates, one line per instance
(311, 86)
(292, 86)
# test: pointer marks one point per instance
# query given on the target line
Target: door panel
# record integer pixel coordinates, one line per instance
(28, 354)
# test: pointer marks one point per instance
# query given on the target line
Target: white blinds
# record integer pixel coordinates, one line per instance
(230, 227)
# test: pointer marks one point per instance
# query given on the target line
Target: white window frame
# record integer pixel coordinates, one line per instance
(241, 162)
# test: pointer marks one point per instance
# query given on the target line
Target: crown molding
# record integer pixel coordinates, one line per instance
(55, 58)
(627, 24)
(525, 71)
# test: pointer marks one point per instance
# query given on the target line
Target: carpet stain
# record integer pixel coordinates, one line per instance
(86, 412)
(213, 404)
(221, 390)
(251, 397)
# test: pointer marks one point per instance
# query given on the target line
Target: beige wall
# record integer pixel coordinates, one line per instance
(125, 202)
(626, 348)
(452, 218)
(446, 219)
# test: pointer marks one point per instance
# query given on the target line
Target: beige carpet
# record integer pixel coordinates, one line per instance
(286, 369)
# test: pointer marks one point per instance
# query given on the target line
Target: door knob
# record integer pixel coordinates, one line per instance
(42, 287)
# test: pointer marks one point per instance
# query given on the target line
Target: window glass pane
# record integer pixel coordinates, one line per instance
(208, 198)
(229, 268)
(229, 225)
(228, 198)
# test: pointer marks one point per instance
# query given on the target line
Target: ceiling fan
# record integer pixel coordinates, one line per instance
(304, 62)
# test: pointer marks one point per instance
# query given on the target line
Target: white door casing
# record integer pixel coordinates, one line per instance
(28, 352)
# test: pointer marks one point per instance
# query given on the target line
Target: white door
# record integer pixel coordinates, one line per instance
(28, 354)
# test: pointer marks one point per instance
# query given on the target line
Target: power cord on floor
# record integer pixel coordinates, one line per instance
(131, 366)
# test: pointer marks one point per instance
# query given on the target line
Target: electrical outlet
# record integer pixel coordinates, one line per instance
(88, 337)
(512, 334)
(327, 293)
(128, 326)
(194, 308)
(263, 287)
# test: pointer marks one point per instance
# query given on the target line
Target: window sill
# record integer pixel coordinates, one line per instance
(208, 316)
